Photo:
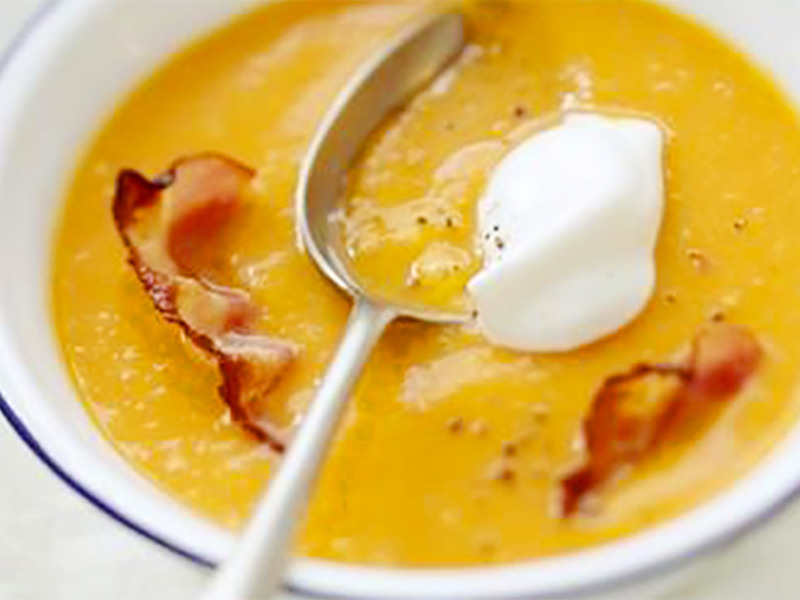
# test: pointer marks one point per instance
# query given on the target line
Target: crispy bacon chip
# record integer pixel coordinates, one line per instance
(168, 226)
(635, 412)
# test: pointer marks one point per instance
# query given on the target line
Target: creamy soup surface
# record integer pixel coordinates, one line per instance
(453, 449)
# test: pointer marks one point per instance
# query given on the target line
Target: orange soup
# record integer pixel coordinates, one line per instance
(452, 450)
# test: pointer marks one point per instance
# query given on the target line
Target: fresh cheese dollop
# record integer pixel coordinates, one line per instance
(568, 227)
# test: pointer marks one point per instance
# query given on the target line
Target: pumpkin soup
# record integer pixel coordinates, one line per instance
(454, 451)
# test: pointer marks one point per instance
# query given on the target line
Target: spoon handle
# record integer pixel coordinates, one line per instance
(256, 568)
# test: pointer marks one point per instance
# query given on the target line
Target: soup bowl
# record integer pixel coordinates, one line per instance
(58, 83)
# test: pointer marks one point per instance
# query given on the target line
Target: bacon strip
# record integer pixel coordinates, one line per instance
(635, 412)
(168, 226)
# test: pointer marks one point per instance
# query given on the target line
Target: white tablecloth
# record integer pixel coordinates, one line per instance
(53, 545)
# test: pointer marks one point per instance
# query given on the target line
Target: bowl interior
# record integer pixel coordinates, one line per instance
(56, 92)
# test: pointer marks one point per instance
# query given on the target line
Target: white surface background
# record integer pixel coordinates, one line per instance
(53, 545)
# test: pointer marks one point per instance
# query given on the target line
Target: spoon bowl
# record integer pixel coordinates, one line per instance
(380, 87)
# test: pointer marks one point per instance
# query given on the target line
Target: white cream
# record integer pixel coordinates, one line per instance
(568, 225)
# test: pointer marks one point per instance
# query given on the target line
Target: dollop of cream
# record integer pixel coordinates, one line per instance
(568, 228)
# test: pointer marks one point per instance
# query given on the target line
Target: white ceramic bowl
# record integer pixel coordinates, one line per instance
(57, 86)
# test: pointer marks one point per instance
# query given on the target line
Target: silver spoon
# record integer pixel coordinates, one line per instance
(257, 565)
